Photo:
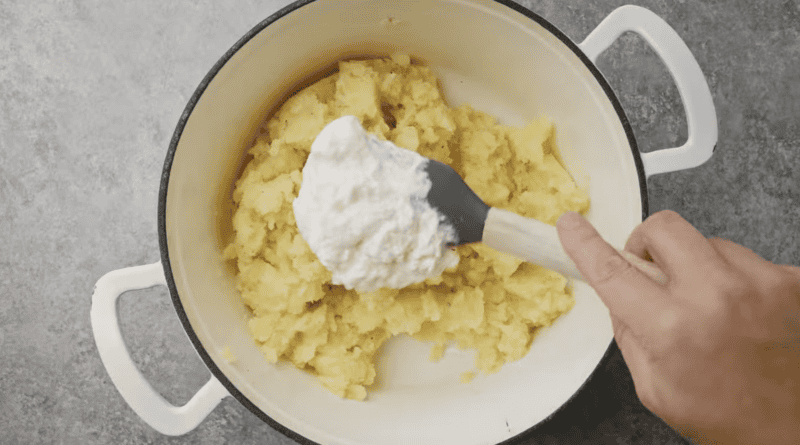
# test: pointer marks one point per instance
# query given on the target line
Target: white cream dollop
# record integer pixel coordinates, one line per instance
(363, 210)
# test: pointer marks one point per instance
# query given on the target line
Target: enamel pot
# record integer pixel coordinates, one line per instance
(495, 55)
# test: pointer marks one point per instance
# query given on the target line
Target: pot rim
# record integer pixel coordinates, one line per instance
(163, 190)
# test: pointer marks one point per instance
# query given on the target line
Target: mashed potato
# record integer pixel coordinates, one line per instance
(491, 302)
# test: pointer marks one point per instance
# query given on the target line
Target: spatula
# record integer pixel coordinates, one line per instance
(529, 239)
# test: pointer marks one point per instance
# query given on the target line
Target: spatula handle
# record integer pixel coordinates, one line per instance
(538, 243)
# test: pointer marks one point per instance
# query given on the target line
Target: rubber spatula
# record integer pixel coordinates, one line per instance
(525, 238)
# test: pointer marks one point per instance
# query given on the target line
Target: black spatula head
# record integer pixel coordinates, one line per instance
(462, 208)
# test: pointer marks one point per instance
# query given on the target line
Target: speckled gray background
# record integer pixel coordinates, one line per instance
(90, 92)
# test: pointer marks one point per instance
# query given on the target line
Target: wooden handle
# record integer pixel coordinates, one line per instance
(538, 243)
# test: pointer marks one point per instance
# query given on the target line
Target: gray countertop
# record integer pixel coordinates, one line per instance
(90, 92)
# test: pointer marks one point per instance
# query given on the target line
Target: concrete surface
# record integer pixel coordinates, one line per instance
(90, 92)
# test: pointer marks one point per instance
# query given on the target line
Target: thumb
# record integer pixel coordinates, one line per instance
(622, 287)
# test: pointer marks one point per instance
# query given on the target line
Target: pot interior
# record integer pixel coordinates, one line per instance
(487, 54)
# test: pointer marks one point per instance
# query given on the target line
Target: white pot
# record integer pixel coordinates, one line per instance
(495, 55)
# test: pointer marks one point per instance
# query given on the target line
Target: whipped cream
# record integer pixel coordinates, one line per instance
(363, 210)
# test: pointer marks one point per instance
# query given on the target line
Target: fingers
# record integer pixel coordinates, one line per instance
(627, 292)
(673, 244)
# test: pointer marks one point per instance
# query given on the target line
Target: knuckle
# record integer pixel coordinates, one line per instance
(720, 241)
(727, 299)
(732, 287)
(588, 234)
(652, 229)
(729, 251)
(664, 218)
(719, 244)
(723, 291)
(608, 268)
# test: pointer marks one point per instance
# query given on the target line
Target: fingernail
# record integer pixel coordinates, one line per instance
(570, 220)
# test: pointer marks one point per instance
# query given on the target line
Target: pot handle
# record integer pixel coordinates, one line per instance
(701, 116)
(137, 392)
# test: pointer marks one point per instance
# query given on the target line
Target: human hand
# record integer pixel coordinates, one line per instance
(715, 352)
